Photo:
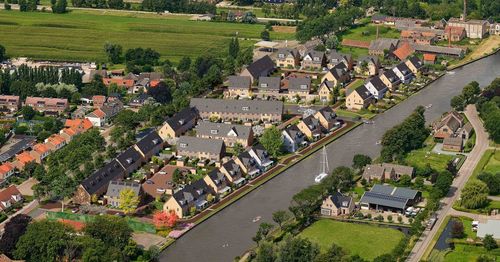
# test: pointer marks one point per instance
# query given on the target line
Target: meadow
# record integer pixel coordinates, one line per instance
(80, 35)
(368, 241)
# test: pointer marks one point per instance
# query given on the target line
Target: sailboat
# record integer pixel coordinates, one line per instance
(324, 166)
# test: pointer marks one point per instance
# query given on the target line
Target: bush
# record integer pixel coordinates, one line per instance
(389, 218)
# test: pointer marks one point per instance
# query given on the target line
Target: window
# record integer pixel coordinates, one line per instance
(303, 86)
(214, 131)
(245, 108)
(183, 145)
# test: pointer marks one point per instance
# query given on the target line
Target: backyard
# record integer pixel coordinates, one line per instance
(80, 35)
(421, 157)
(369, 32)
(370, 241)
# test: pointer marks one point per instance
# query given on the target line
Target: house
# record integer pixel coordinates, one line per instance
(231, 134)
(40, 152)
(293, 138)
(193, 197)
(97, 118)
(140, 100)
(262, 67)
(403, 72)
(202, 148)
(299, 87)
(359, 98)
(403, 51)
(314, 60)
(80, 112)
(376, 87)
(325, 91)
(439, 50)
(414, 64)
(7, 169)
(367, 65)
(454, 144)
(423, 37)
(287, 58)
(112, 108)
(310, 127)
(327, 118)
(47, 105)
(10, 103)
(97, 184)
(382, 45)
(466, 131)
(454, 33)
(130, 160)
(248, 164)
(87, 78)
(112, 195)
(238, 110)
(23, 159)
(9, 197)
(162, 183)
(335, 58)
(218, 182)
(473, 28)
(78, 125)
(269, 86)
(259, 153)
(233, 172)
(429, 59)
(178, 124)
(98, 101)
(448, 125)
(494, 29)
(337, 204)
(239, 86)
(388, 198)
(22, 143)
(386, 171)
(149, 145)
(55, 142)
(120, 82)
(152, 76)
(390, 79)
(338, 74)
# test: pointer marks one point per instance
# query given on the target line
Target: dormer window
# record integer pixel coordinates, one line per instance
(129, 160)
(281, 55)
(245, 108)
(155, 141)
(316, 58)
(264, 85)
(303, 86)
(214, 131)
(183, 145)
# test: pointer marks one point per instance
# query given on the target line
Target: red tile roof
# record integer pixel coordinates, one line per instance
(404, 51)
(5, 168)
(119, 81)
(430, 57)
(154, 83)
(56, 140)
(6, 195)
(41, 148)
(25, 158)
(77, 225)
(99, 113)
(356, 43)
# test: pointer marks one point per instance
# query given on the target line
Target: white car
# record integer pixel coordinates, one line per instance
(320, 177)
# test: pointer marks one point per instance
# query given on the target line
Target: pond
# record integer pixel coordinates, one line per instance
(442, 242)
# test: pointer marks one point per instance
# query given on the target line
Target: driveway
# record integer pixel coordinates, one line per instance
(438, 149)
(26, 187)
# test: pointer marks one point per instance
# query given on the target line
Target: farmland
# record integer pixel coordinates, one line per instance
(80, 35)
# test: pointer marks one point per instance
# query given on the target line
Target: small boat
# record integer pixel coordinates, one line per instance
(257, 218)
(324, 167)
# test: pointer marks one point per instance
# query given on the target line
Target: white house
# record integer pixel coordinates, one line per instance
(403, 72)
(376, 87)
(293, 138)
(97, 117)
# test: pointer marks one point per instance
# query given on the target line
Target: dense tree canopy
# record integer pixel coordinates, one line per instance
(272, 142)
(474, 195)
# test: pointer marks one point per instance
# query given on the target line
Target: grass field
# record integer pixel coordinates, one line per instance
(369, 32)
(421, 157)
(365, 240)
(467, 253)
(80, 35)
(493, 165)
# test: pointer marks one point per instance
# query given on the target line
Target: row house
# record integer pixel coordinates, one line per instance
(40, 152)
(115, 188)
(150, 145)
(335, 58)
(293, 138)
(238, 110)
(7, 169)
(9, 197)
(376, 87)
(310, 127)
(130, 160)
(390, 79)
(324, 120)
(127, 84)
(423, 38)
(55, 142)
(367, 65)
(261, 67)
(325, 91)
(10, 103)
(234, 173)
(178, 124)
(47, 105)
(201, 148)
(268, 87)
(403, 72)
(300, 87)
(193, 196)
(162, 183)
(338, 75)
(314, 60)
(287, 58)
(359, 98)
(250, 165)
(239, 86)
(231, 134)
(218, 182)
(23, 159)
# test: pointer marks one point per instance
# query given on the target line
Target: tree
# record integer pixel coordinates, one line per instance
(262, 232)
(359, 161)
(3, 55)
(114, 52)
(457, 229)
(405, 181)
(162, 219)
(332, 42)
(114, 231)
(234, 48)
(334, 253)
(184, 64)
(474, 195)
(43, 241)
(238, 148)
(271, 141)
(458, 102)
(127, 119)
(280, 217)
(28, 112)
(489, 242)
(342, 179)
(59, 7)
(13, 230)
(128, 200)
(443, 183)
(384, 258)
(419, 182)
(484, 258)
(162, 92)
(265, 252)
(116, 4)
(296, 249)
(264, 35)
(492, 181)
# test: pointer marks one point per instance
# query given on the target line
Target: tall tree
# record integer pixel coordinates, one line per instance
(271, 141)
(359, 161)
(234, 47)
(13, 230)
(3, 55)
(128, 200)
(114, 52)
(280, 217)
(474, 195)
(111, 230)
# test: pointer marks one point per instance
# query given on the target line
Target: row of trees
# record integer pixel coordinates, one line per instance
(488, 106)
(102, 4)
(468, 96)
(179, 6)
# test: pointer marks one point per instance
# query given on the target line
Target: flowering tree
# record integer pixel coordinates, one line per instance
(162, 219)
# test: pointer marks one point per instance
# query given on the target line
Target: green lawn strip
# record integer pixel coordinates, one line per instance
(493, 165)
(80, 35)
(367, 241)
(434, 240)
(466, 253)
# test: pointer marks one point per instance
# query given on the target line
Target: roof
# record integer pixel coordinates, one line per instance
(129, 157)
(56, 139)
(24, 143)
(328, 113)
(5, 168)
(162, 180)
(470, 21)
(284, 52)
(150, 75)
(79, 125)
(403, 51)
(270, 83)
(394, 191)
(182, 118)
(98, 113)
(266, 44)
(340, 200)
(293, 132)
(260, 151)
(149, 142)
(383, 44)
(491, 227)
(468, 128)
(338, 57)
(46, 101)
(100, 178)
(377, 83)
(247, 160)
(363, 92)
(217, 177)
(299, 84)
(391, 76)
(455, 30)
(399, 169)
(115, 187)
(453, 141)
(338, 70)
(237, 106)
(368, 59)
(6, 194)
(453, 120)
(232, 168)
(197, 144)
(239, 82)
(261, 66)
(317, 56)
(429, 57)
(41, 148)
(438, 49)
(355, 43)
(311, 122)
(417, 63)
(373, 171)
(384, 195)
(25, 157)
(192, 192)
(119, 82)
(205, 128)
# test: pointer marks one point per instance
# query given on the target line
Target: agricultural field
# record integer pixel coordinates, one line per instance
(80, 35)
(370, 241)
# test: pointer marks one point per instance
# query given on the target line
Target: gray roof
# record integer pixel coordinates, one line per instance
(284, 52)
(182, 118)
(232, 168)
(389, 196)
(491, 227)
(416, 62)
(100, 178)
(339, 70)
(115, 187)
(149, 142)
(340, 200)
(24, 143)
(299, 84)
(217, 177)
(221, 130)
(260, 151)
(438, 49)
(151, 75)
(311, 122)
(337, 57)
(237, 106)
(261, 66)
(196, 144)
(270, 83)
(403, 68)
(400, 169)
(248, 161)
(363, 92)
(368, 59)
(453, 141)
(373, 171)
(377, 83)
(317, 56)
(383, 44)
(129, 157)
(328, 113)
(293, 132)
(394, 191)
(239, 82)
(391, 76)
(192, 192)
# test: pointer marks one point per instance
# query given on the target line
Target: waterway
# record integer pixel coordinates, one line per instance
(229, 233)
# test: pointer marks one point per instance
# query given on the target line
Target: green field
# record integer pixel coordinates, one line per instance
(468, 253)
(493, 165)
(420, 158)
(80, 35)
(367, 241)
(369, 32)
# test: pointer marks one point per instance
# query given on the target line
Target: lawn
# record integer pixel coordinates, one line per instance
(368, 241)
(468, 253)
(421, 157)
(356, 52)
(80, 35)
(369, 32)
(493, 165)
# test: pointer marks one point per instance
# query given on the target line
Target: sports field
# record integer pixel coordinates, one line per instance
(80, 35)
(368, 241)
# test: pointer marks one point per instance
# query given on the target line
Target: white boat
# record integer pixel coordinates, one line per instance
(324, 167)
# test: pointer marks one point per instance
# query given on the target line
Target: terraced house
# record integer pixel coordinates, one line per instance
(193, 197)
(178, 124)
(47, 105)
(10, 103)
(287, 58)
(239, 86)
(231, 134)
(201, 148)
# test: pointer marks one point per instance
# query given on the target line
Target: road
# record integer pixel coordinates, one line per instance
(229, 233)
(465, 172)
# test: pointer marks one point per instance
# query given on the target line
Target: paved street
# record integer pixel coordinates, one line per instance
(464, 173)
(229, 233)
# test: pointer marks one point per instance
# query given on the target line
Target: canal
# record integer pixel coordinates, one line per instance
(229, 233)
